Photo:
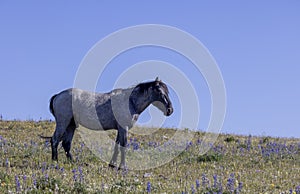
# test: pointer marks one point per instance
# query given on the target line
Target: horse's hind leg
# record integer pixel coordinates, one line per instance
(56, 138)
(67, 138)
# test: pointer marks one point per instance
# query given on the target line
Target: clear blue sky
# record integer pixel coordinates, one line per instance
(255, 43)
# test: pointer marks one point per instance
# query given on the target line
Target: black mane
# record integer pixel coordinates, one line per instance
(143, 87)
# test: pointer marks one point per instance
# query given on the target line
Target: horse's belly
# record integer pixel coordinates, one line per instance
(84, 111)
(88, 120)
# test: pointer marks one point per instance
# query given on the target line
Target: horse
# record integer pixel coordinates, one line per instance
(118, 109)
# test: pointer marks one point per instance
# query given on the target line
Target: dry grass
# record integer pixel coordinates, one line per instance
(234, 164)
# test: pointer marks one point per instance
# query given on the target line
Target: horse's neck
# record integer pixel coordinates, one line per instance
(140, 102)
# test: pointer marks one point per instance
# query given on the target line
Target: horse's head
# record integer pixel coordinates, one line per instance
(160, 97)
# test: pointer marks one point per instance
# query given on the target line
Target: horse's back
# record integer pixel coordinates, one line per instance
(89, 109)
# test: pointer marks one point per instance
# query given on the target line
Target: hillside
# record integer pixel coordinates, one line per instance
(234, 164)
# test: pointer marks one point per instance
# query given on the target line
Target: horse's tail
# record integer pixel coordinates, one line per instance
(51, 104)
(45, 137)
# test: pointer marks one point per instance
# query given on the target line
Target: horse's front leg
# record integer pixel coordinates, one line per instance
(113, 161)
(123, 143)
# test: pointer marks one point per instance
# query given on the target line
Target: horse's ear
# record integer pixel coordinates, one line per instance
(157, 79)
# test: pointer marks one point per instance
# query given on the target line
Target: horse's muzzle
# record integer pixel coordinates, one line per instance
(169, 111)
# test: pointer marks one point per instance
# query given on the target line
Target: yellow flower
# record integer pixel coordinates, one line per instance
(272, 185)
(236, 183)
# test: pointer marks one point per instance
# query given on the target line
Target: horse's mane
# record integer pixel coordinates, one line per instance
(144, 86)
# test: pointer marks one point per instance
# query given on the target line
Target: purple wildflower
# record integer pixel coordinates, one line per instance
(24, 180)
(153, 144)
(249, 142)
(188, 145)
(198, 141)
(135, 145)
(34, 181)
(80, 174)
(242, 151)
(205, 181)
(47, 143)
(230, 182)
(81, 145)
(215, 181)
(7, 163)
(193, 189)
(240, 187)
(220, 188)
(197, 184)
(148, 187)
(46, 177)
(2, 141)
(74, 175)
(18, 185)
(43, 167)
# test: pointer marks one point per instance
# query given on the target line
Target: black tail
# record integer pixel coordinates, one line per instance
(51, 104)
(45, 137)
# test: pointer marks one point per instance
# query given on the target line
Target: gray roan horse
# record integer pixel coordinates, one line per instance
(118, 109)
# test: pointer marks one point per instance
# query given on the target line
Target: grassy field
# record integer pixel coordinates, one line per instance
(234, 164)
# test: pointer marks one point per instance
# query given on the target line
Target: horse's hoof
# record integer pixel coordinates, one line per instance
(123, 168)
(69, 156)
(111, 166)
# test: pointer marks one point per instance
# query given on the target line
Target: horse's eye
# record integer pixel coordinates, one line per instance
(157, 88)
